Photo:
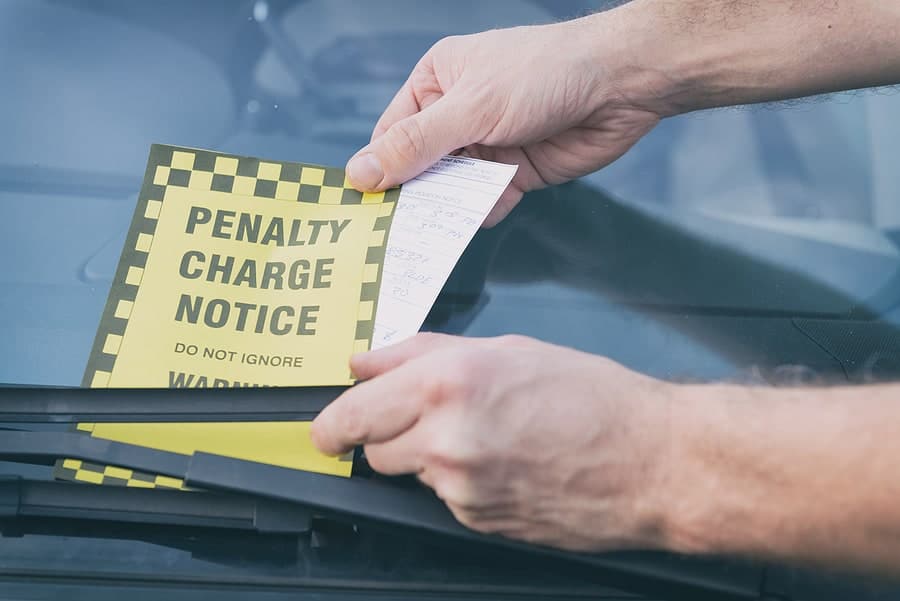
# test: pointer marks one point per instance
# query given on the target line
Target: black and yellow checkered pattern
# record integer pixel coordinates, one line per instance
(247, 176)
(76, 470)
(108, 475)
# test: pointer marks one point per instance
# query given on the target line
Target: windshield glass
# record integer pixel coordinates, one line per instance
(778, 211)
(743, 243)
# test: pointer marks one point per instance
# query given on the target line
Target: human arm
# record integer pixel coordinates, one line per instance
(608, 458)
(565, 99)
(558, 447)
(722, 53)
(807, 475)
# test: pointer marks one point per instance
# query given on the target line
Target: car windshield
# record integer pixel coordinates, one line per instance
(757, 244)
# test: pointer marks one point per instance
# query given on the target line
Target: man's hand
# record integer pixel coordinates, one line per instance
(558, 447)
(566, 99)
(518, 437)
(532, 96)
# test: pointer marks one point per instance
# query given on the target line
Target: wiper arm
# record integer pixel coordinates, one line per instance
(214, 527)
(380, 503)
(44, 448)
(71, 405)
(23, 498)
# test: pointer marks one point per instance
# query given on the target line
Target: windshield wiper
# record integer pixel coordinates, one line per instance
(380, 503)
(70, 405)
(216, 527)
(29, 499)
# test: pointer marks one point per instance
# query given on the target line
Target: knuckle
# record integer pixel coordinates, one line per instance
(353, 422)
(407, 140)
(444, 44)
(453, 452)
(465, 362)
(448, 385)
(373, 458)
(457, 492)
(432, 390)
(429, 339)
(437, 452)
(514, 341)
(376, 458)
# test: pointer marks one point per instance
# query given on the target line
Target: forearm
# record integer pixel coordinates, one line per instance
(678, 56)
(810, 475)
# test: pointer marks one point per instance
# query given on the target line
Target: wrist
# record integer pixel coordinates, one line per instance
(659, 429)
(741, 461)
(684, 503)
(640, 62)
(634, 63)
(712, 490)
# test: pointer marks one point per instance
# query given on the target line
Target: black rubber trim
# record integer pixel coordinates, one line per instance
(44, 448)
(24, 498)
(385, 504)
(381, 503)
(72, 405)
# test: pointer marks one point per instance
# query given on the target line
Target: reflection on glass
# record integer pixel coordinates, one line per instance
(807, 190)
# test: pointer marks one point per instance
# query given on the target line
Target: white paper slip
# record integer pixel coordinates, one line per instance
(436, 217)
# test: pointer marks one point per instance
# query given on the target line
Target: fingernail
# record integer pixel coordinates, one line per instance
(365, 171)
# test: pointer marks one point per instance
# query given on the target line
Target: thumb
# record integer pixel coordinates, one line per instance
(411, 145)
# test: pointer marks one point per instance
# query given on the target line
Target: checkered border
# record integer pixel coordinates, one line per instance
(75, 470)
(263, 179)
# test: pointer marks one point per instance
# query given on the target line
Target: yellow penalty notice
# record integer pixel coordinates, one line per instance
(242, 272)
(236, 271)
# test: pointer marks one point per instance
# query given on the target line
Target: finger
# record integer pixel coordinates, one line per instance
(420, 102)
(425, 476)
(371, 412)
(505, 204)
(374, 363)
(401, 106)
(414, 143)
(417, 93)
(514, 191)
(401, 455)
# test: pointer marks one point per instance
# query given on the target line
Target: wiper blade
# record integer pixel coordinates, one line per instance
(216, 527)
(44, 448)
(379, 503)
(25, 498)
(72, 405)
